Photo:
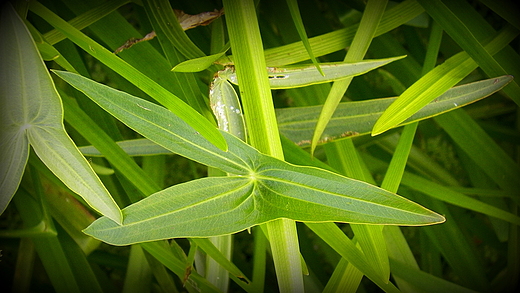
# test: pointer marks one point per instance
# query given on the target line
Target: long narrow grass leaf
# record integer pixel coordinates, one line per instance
(298, 23)
(364, 35)
(436, 82)
(469, 43)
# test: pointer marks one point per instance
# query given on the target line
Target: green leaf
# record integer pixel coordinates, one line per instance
(358, 118)
(32, 112)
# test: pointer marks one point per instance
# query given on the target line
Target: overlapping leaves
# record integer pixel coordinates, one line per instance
(263, 188)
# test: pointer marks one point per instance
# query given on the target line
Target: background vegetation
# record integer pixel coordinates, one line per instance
(462, 164)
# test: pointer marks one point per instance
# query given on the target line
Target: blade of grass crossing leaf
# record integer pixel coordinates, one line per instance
(366, 31)
(261, 123)
(343, 156)
(340, 39)
(370, 237)
(436, 82)
(161, 22)
(196, 120)
(424, 282)
(464, 38)
(237, 276)
(447, 195)
(397, 245)
(345, 278)
(298, 23)
(358, 117)
(162, 276)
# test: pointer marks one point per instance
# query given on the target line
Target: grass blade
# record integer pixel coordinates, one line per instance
(469, 43)
(436, 82)
(297, 19)
(366, 31)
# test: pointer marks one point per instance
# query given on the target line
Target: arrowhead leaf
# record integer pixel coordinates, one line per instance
(263, 188)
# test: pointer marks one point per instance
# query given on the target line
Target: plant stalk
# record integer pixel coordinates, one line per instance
(261, 122)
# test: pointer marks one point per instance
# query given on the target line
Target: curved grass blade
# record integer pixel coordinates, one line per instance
(358, 118)
(162, 11)
(372, 15)
(84, 20)
(31, 108)
(461, 34)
